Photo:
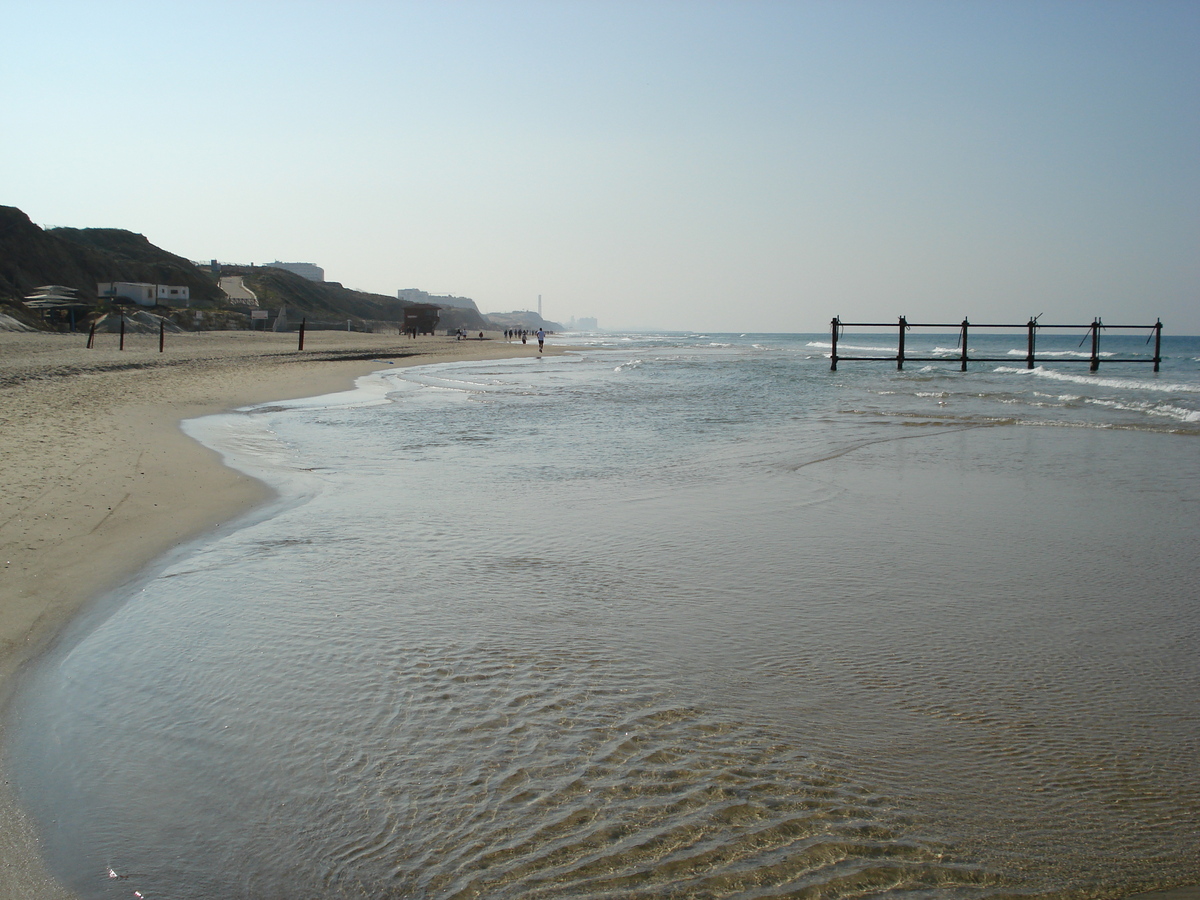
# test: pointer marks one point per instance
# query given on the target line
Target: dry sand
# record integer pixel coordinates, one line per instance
(98, 479)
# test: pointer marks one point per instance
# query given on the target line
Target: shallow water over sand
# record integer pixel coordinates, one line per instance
(693, 621)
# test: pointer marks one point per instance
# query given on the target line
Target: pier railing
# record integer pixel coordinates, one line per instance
(1030, 328)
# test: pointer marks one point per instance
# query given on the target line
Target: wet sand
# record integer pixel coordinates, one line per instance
(98, 479)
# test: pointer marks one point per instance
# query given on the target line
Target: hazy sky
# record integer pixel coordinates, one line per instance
(732, 166)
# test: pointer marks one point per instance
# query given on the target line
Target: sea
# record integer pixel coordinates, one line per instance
(668, 615)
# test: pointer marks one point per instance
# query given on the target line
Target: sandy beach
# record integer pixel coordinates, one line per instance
(99, 480)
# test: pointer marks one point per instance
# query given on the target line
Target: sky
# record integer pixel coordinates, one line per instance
(744, 166)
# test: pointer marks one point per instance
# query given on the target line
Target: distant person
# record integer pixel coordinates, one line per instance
(522, 335)
(541, 339)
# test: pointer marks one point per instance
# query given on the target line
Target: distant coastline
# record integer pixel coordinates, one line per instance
(67, 279)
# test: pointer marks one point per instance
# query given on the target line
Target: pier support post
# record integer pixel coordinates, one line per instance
(965, 324)
(900, 345)
(1029, 353)
(1157, 344)
(833, 340)
(1095, 363)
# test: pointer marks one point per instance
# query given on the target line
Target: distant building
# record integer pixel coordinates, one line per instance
(145, 294)
(304, 270)
(421, 317)
(138, 292)
(173, 293)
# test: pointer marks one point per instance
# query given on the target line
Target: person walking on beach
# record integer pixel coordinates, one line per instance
(541, 339)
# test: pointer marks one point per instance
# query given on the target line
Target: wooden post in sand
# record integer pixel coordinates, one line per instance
(91, 336)
(162, 331)
(122, 347)
(302, 321)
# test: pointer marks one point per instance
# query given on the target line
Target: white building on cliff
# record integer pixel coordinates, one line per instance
(304, 270)
(145, 294)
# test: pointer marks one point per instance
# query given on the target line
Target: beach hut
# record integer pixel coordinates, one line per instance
(421, 318)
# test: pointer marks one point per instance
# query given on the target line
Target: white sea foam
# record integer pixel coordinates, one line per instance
(425, 377)
(369, 390)
(1125, 384)
(855, 347)
(1062, 354)
(1150, 409)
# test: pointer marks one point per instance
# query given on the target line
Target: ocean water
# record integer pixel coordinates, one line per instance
(679, 615)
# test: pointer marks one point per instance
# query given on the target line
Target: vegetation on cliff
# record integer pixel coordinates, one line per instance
(139, 260)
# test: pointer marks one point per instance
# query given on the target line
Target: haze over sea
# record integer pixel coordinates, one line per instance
(678, 615)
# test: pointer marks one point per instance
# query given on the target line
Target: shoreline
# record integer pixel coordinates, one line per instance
(100, 480)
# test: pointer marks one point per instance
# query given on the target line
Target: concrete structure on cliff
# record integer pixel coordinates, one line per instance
(304, 270)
